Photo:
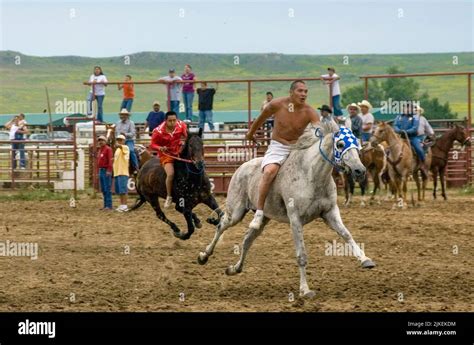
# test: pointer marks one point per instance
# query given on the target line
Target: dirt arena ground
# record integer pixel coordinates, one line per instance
(82, 264)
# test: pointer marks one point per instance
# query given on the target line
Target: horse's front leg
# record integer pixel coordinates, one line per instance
(442, 172)
(333, 219)
(212, 204)
(435, 181)
(188, 215)
(196, 220)
(301, 257)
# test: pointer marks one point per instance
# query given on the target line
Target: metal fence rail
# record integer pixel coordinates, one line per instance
(51, 163)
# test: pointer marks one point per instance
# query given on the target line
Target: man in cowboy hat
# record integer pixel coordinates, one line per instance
(331, 79)
(424, 128)
(356, 121)
(167, 140)
(126, 127)
(104, 163)
(367, 120)
(408, 123)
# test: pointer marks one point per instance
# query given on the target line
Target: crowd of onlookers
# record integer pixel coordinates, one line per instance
(177, 89)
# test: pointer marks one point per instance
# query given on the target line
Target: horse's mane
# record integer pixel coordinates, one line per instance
(308, 138)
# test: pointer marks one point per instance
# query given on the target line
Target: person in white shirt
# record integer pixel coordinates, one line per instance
(332, 81)
(424, 128)
(97, 92)
(17, 129)
(174, 90)
(367, 120)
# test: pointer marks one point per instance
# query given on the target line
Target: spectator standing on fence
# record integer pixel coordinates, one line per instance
(188, 92)
(368, 120)
(128, 93)
(173, 88)
(104, 163)
(126, 127)
(331, 79)
(270, 121)
(154, 118)
(206, 102)
(356, 121)
(97, 92)
(17, 130)
(121, 162)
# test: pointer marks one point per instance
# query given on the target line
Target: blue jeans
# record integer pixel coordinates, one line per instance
(365, 136)
(416, 143)
(106, 187)
(133, 156)
(100, 109)
(205, 116)
(21, 148)
(188, 98)
(127, 104)
(336, 104)
(121, 184)
(174, 105)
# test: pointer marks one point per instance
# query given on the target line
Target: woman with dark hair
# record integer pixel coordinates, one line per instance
(98, 82)
(188, 92)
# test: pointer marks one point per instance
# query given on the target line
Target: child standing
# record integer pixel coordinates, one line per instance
(104, 162)
(121, 161)
(128, 93)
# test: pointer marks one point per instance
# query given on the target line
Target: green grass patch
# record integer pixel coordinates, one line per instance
(34, 194)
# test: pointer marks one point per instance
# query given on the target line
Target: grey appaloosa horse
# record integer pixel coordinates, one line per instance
(302, 191)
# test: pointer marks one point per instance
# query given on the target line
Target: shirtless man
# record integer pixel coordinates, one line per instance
(291, 115)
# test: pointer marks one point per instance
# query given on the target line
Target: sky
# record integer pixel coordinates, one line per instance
(104, 28)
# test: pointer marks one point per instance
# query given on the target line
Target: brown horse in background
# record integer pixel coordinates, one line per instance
(417, 171)
(374, 159)
(399, 158)
(440, 152)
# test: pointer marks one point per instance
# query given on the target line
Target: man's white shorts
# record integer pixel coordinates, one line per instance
(276, 153)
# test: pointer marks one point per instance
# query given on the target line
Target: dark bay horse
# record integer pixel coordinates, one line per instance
(440, 151)
(191, 186)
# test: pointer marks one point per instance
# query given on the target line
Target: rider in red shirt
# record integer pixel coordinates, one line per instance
(168, 139)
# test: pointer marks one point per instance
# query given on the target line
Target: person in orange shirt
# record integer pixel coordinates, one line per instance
(168, 139)
(128, 93)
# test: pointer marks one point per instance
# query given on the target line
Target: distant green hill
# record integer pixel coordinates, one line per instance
(22, 86)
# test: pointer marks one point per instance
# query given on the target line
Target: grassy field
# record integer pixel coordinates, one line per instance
(22, 85)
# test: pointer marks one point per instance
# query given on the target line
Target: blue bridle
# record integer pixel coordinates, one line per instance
(343, 141)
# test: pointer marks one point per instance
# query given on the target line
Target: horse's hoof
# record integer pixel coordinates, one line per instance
(177, 234)
(308, 294)
(231, 271)
(186, 236)
(368, 264)
(202, 258)
(212, 221)
(198, 225)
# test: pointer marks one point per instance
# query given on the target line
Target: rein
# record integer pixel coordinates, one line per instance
(178, 158)
(330, 161)
(186, 161)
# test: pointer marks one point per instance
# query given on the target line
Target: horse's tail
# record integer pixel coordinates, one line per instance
(141, 199)
(138, 202)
